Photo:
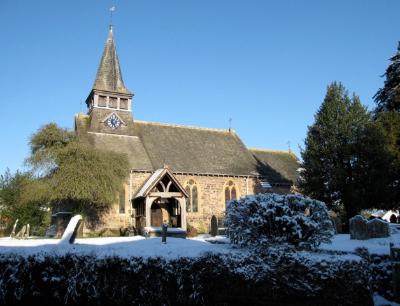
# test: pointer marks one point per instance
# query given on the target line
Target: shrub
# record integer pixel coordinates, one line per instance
(278, 278)
(266, 219)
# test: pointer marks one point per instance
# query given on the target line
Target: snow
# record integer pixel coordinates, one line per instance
(381, 301)
(69, 231)
(175, 230)
(136, 246)
(322, 257)
(342, 242)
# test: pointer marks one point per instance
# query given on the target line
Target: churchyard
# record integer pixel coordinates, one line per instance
(209, 269)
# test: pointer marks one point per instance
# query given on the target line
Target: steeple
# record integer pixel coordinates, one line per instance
(110, 102)
(109, 91)
(109, 77)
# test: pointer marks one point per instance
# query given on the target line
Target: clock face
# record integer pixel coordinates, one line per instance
(113, 122)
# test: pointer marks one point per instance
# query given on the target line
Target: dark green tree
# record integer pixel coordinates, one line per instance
(388, 123)
(388, 97)
(77, 174)
(334, 154)
(22, 198)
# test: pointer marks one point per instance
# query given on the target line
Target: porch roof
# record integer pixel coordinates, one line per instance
(153, 180)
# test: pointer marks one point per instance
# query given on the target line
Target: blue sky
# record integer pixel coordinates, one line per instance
(265, 64)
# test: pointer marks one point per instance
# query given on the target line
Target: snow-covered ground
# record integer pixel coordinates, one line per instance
(175, 247)
(342, 242)
(119, 246)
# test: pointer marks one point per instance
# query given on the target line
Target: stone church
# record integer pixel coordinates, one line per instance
(184, 175)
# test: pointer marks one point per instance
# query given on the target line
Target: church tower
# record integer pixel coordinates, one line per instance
(110, 102)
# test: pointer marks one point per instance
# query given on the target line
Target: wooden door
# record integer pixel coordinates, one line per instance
(156, 215)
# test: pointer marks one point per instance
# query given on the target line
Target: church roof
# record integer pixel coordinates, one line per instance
(109, 77)
(195, 150)
(281, 166)
(187, 149)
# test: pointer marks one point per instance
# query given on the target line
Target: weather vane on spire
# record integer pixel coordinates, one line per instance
(112, 10)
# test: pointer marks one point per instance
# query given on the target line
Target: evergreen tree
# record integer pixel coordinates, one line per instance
(333, 152)
(388, 97)
(76, 174)
(388, 123)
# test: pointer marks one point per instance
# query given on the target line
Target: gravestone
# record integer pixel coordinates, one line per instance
(362, 229)
(70, 232)
(13, 230)
(21, 233)
(337, 223)
(377, 228)
(214, 226)
(28, 231)
(358, 228)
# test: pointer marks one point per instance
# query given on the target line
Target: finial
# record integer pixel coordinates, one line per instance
(112, 9)
(230, 124)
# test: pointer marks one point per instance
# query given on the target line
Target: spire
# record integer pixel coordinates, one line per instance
(109, 77)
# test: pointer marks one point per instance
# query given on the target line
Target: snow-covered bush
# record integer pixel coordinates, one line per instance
(265, 219)
(276, 278)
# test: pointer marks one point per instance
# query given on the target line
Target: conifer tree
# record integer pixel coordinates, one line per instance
(333, 151)
(388, 97)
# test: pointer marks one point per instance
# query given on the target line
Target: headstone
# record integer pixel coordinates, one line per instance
(377, 228)
(21, 233)
(214, 226)
(337, 223)
(164, 231)
(27, 232)
(70, 232)
(358, 228)
(13, 230)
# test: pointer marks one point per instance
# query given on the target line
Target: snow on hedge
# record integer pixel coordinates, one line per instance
(265, 219)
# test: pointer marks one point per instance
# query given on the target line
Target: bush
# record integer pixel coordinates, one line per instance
(277, 278)
(266, 219)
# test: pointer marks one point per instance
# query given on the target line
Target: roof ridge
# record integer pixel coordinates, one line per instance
(186, 126)
(270, 150)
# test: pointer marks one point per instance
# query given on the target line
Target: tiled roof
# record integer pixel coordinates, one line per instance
(109, 76)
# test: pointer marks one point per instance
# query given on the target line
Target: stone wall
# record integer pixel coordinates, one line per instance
(211, 199)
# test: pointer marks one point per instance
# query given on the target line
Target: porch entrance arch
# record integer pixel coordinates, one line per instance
(160, 199)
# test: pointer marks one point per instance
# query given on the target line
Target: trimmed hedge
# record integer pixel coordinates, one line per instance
(276, 278)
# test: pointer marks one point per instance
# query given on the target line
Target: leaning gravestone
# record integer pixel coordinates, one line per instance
(21, 233)
(70, 232)
(214, 226)
(377, 228)
(358, 228)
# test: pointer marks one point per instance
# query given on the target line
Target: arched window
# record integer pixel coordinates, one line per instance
(192, 200)
(230, 192)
